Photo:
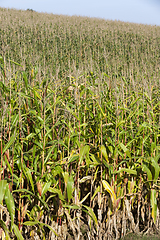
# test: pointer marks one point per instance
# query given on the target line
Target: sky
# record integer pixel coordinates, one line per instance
(136, 11)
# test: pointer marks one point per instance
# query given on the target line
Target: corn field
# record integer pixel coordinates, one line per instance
(79, 127)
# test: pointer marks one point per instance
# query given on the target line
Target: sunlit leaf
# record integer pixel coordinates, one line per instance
(96, 191)
(84, 199)
(109, 189)
(154, 204)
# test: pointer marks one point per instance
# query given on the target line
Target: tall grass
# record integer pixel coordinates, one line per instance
(80, 127)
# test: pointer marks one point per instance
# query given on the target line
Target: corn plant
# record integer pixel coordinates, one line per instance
(80, 127)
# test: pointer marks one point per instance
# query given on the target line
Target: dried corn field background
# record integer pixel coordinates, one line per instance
(79, 127)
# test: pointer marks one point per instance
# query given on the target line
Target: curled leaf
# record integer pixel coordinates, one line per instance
(109, 189)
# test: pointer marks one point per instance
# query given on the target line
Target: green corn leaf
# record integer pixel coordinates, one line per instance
(120, 123)
(125, 150)
(65, 176)
(4, 227)
(154, 204)
(71, 206)
(130, 171)
(84, 151)
(3, 185)
(23, 95)
(35, 162)
(95, 161)
(62, 143)
(30, 223)
(103, 114)
(30, 136)
(157, 157)
(15, 119)
(104, 74)
(17, 232)
(71, 111)
(56, 191)
(104, 153)
(2, 66)
(16, 63)
(1, 59)
(45, 188)
(95, 193)
(28, 174)
(50, 228)
(153, 146)
(49, 154)
(2, 70)
(40, 145)
(147, 170)
(70, 185)
(10, 204)
(30, 193)
(34, 151)
(40, 119)
(134, 102)
(11, 141)
(156, 168)
(125, 81)
(110, 149)
(130, 142)
(8, 164)
(95, 175)
(91, 214)
(5, 89)
(36, 94)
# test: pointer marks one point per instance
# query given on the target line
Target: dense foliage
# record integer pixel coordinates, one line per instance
(80, 127)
